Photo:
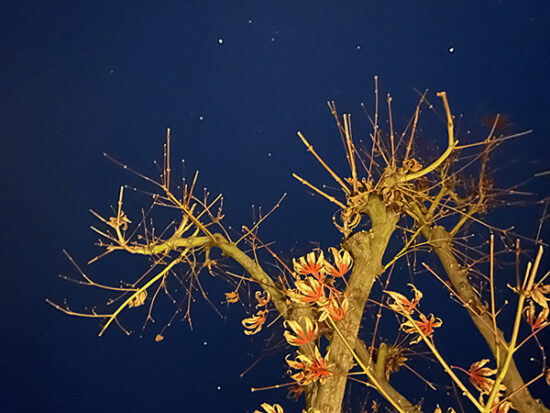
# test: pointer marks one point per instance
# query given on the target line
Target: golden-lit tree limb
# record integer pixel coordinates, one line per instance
(249, 231)
(436, 202)
(75, 313)
(403, 250)
(89, 282)
(189, 212)
(255, 271)
(524, 292)
(376, 375)
(492, 290)
(153, 280)
(324, 164)
(347, 140)
(135, 292)
(401, 188)
(441, 242)
(451, 146)
(218, 240)
(423, 216)
(367, 249)
(413, 130)
(350, 150)
(191, 243)
(172, 244)
(324, 194)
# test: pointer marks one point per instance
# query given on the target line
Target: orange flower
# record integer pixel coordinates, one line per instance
(342, 263)
(268, 408)
(425, 325)
(300, 363)
(333, 308)
(310, 265)
(262, 299)
(312, 369)
(536, 323)
(320, 367)
(479, 376)
(301, 336)
(254, 324)
(401, 304)
(308, 291)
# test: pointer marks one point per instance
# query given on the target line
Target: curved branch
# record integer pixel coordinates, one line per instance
(450, 147)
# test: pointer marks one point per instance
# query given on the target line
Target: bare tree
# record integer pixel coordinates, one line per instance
(390, 197)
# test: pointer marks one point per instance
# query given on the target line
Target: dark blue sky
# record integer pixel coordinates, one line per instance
(234, 81)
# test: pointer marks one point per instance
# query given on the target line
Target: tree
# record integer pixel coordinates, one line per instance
(392, 206)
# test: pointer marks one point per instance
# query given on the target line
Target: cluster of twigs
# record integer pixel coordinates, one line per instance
(321, 301)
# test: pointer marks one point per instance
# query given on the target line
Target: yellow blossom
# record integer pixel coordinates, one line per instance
(254, 324)
(301, 335)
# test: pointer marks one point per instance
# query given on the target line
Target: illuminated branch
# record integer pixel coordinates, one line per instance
(451, 146)
(323, 163)
(320, 293)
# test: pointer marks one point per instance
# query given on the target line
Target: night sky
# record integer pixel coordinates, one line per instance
(235, 81)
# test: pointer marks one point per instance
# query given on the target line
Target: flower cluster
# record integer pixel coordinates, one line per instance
(316, 265)
(405, 307)
(310, 369)
(314, 286)
(314, 279)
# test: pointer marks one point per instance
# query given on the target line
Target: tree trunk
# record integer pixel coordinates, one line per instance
(441, 242)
